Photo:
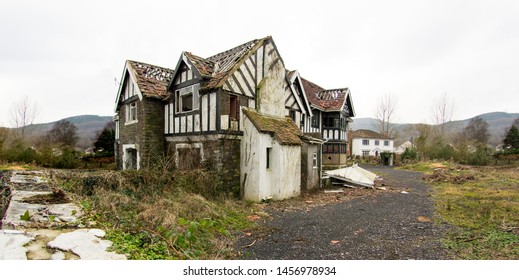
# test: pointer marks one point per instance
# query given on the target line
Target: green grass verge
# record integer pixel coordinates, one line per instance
(484, 210)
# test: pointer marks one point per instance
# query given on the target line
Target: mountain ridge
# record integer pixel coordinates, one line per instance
(498, 124)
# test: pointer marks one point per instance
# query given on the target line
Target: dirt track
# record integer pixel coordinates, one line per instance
(376, 225)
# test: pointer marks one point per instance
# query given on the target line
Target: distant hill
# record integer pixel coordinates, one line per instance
(498, 123)
(87, 127)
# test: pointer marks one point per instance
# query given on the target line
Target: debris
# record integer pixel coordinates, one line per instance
(404, 192)
(253, 217)
(381, 188)
(309, 201)
(335, 242)
(250, 245)
(248, 234)
(423, 219)
(353, 176)
(444, 175)
(334, 191)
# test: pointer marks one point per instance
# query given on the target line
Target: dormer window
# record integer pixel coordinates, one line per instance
(183, 101)
(186, 99)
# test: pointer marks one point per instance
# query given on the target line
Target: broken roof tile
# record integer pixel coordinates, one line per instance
(152, 80)
(326, 100)
(217, 67)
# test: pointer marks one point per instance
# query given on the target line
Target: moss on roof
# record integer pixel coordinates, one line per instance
(283, 129)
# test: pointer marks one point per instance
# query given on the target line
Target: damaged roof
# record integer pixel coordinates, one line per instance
(283, 129)
(364, 133)
(152, 80)
(215, 69)
(326, 100)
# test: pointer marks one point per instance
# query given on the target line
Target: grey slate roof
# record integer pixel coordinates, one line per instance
(369, 134)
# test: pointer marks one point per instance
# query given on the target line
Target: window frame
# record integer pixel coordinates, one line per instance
(365, 142)
(131, 113)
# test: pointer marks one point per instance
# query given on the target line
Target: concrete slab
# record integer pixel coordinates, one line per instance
(11, 244)
(86, 245)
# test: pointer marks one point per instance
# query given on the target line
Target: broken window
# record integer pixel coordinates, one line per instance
(131, 159)
(184, 100)
(315, 120)
(187, 102)
(292, 115)
(131, 112)
(331, 120)
(269, 150)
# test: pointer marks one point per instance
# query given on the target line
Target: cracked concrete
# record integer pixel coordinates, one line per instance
(42, 237)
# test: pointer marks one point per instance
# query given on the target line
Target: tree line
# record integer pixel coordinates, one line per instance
(470, 146)
(55, 148)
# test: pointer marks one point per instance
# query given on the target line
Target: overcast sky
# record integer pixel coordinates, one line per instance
(65, 55)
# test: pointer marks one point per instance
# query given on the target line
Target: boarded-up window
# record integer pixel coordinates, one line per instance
(189, 158)
(234, 107)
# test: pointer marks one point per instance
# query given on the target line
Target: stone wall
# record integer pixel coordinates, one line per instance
(217, 153)
(147, 133)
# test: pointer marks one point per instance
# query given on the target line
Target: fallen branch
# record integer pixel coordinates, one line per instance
(250, 245)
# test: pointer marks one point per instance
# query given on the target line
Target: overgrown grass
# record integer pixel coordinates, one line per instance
(484, 211)
(159, 214)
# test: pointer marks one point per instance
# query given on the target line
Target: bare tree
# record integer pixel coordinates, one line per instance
(23, 112)
(63, 133)
(442, 112)
(385, 113)
(476, 131)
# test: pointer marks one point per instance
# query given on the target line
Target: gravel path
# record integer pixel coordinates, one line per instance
(380, 225)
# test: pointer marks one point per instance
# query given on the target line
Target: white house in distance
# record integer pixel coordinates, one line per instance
(370, 143)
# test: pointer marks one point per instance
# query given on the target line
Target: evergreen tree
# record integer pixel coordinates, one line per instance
(105, 141)
(511, 141)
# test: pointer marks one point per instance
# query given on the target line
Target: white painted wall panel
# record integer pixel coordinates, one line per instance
(204, 112)
(212, 113)
(189, 124)
(224, 122)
